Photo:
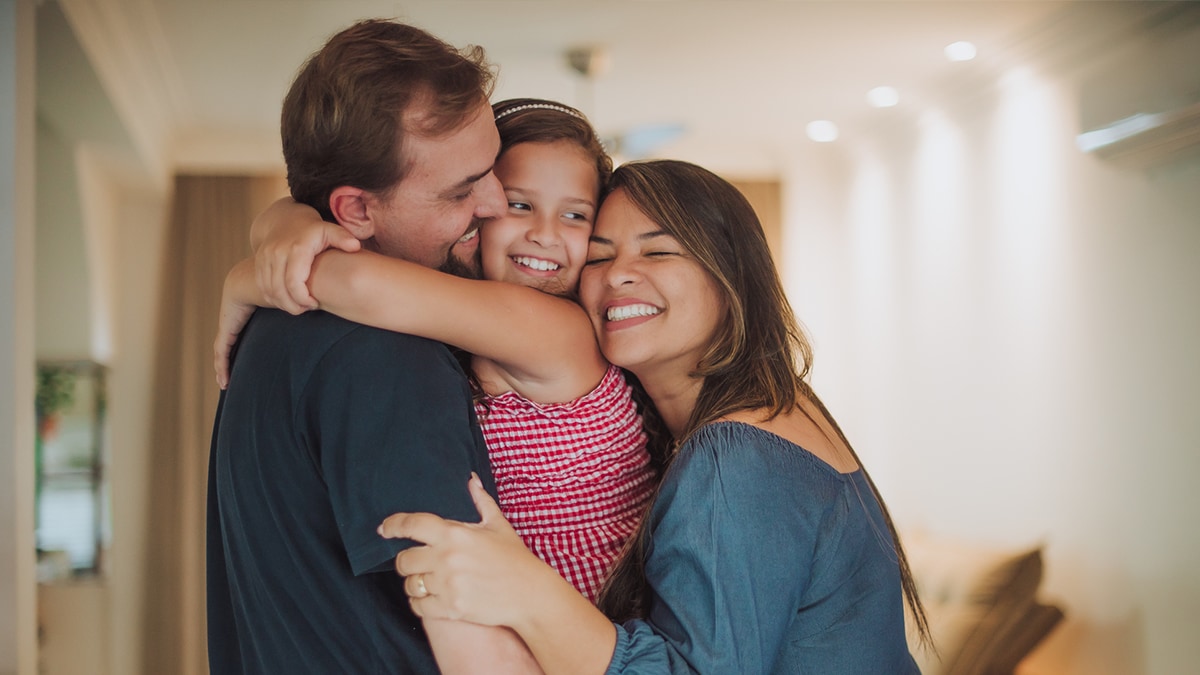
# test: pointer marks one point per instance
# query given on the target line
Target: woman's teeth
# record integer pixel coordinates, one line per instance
(631, 311)
(536, 263)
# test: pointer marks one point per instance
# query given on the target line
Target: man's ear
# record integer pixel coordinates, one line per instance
(349, 207)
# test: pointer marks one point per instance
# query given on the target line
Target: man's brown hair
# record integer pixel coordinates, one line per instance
(344, 118)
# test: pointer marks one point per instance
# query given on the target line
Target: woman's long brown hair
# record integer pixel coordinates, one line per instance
(759, 358)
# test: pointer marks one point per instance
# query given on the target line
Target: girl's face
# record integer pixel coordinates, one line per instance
(654, 307)
(541, 240)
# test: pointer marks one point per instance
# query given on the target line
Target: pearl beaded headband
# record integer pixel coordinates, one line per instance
(536, 106)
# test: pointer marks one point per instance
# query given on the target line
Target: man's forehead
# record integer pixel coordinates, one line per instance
(455, 159)
(424, 117)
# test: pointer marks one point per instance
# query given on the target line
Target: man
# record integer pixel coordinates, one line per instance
(328, 426)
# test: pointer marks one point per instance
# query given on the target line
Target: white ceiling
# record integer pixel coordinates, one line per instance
(199, 83)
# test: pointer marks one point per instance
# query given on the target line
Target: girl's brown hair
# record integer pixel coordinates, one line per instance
(535, 120)
(758, 359)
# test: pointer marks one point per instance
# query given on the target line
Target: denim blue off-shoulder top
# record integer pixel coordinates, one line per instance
(762, 558)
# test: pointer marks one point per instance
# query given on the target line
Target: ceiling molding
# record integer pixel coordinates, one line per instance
(125, 42)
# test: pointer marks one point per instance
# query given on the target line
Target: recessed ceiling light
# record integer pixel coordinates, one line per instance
(960, 51)
(883, 97)
(822, 131)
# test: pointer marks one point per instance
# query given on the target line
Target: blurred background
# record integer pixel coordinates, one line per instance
(985, 214)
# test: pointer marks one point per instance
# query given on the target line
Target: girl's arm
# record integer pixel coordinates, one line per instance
(481, 572)
(462, 648)
(239, 298)
(285, 238)
(543, 344)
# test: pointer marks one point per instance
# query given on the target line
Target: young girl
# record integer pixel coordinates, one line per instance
(767, 548)
(563, 433)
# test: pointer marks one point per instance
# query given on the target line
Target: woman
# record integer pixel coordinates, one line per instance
(767, 548)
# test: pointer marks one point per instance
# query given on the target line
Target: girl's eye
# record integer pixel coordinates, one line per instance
(659, 254)
(519, 206)
(575, 215)
(595, 261)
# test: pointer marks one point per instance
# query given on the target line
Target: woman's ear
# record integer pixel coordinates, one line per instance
(349, 207)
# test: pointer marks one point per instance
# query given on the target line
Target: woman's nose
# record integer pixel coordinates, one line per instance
(620, 271)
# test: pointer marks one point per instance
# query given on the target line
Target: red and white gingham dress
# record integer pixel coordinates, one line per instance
(573, 478)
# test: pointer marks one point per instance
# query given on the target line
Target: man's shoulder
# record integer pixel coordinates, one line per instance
(319, 331)
(320, 341)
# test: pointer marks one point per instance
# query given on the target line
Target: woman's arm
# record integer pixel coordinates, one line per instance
(544, 344)
(483, 573)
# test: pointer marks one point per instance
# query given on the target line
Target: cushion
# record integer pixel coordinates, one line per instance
(980, 602)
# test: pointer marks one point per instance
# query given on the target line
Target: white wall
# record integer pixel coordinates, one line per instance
(113, 644)
(140, 231)
(100, 229)
(18, 641)
(1007, 329)
(64, 319)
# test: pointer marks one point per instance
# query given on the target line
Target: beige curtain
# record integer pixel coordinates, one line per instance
(208, 233)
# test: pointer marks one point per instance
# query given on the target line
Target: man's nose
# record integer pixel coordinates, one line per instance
(489, 194)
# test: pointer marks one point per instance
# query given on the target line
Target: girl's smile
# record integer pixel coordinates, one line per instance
(541, 240)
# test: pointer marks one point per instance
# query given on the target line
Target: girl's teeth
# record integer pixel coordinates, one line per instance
(537, 264)
(630, 311)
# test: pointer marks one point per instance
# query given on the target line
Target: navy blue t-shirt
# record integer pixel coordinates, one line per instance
(327, 428)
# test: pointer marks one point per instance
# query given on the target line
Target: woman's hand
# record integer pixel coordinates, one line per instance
(483, 573)
(478, 572)
(291, 236)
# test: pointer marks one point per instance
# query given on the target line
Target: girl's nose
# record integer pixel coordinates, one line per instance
(543, 231)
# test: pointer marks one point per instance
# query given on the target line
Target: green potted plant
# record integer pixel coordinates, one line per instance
(55, 393)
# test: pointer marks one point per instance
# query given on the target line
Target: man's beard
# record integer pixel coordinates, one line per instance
(460, 268)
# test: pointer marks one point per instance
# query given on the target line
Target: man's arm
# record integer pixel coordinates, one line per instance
(396, 428)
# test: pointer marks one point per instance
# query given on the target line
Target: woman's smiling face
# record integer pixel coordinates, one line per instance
(655, 309)
(541, 240)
